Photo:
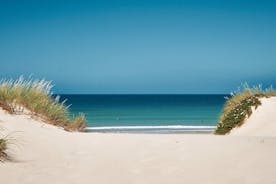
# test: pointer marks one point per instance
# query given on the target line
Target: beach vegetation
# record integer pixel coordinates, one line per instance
(36, 97)
(239, 106)
(3, 148)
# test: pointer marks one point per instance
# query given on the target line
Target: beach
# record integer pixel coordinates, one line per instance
(137, 92)
(42, 153)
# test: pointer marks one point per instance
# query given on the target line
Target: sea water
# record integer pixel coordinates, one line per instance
(148, 112)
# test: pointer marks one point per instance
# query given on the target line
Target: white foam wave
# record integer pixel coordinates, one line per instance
(168, 127)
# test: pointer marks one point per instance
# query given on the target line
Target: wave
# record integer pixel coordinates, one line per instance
(162, 127)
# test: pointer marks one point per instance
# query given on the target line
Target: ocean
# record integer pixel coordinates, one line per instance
(148, 112)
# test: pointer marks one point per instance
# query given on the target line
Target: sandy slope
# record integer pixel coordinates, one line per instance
(44, 154)
(262, 122)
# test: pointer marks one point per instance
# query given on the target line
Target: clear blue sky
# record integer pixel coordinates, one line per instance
(144, 46)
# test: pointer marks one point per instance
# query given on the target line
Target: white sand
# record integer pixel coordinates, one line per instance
(44, 154)
(262, 122)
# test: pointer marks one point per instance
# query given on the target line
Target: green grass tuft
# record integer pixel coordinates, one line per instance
(3, 148)
(36, 96)
(239, 107)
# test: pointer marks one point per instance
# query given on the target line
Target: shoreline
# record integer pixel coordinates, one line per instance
(152, 132)
(170, 129)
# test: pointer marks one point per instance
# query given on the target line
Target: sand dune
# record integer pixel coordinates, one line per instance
(45, 154)
(262, 122)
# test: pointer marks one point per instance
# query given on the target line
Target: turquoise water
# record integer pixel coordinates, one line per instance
(145, 111)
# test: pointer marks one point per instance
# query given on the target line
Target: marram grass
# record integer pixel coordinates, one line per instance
(36, 96)
(239, 106)
(3, 148)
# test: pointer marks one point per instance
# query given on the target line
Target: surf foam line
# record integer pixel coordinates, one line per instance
(169, 127)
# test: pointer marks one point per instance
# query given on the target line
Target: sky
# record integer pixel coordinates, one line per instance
(140, 47)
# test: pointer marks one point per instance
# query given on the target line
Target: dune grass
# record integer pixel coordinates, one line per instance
(3, 148)
(239, 106)
(36, 96)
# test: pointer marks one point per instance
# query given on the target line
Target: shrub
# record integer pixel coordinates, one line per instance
(36, 96)
(239, 107)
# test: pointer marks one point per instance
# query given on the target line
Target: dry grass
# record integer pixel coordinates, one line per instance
(239, 106)
(36, 96)
(3, 148)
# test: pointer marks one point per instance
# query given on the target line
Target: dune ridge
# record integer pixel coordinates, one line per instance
(262, 122)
